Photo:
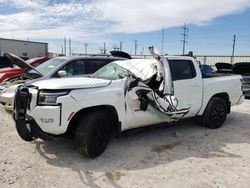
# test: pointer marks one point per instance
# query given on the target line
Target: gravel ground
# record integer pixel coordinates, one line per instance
(181, 155)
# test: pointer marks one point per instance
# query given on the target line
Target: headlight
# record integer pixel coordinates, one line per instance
(46, 97)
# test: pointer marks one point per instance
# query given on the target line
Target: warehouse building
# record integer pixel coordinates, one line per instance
(23, 48)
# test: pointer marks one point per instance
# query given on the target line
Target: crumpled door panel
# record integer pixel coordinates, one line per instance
(140, 97)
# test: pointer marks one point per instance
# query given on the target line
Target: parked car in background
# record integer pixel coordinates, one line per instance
(207, 71)
(243, 68)
(5, 62)
(54, 68)
(223, 67)
(10, 72)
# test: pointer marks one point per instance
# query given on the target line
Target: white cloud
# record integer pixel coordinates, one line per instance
(91, 21)
(115, 15)
(140, 15)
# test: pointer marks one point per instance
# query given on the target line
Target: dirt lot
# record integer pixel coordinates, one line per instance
(182, 155)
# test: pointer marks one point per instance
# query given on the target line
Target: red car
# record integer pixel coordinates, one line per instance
(10, 72)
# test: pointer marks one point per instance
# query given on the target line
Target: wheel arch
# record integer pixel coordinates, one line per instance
(108, 109)
(226, 98)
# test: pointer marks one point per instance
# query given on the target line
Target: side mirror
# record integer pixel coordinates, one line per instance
(62, 73)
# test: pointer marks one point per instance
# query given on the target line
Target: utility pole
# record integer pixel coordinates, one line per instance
(104, 48)
(65, 52)
(62, 49)
(185, 36)
(121, 45)
(69, 46)
(162, 41)
(86, 48)
(142, 51)
(234, 40)
(136, 44)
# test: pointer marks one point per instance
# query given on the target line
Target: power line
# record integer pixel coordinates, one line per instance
(185, 36)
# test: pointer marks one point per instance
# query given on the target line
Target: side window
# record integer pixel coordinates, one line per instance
(182, 69)
(94, 64)
(74, 68)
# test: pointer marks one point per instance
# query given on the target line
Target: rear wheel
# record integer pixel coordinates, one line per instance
(215, 113)
(92, 134)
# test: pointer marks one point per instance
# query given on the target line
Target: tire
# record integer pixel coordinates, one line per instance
(215, 113)
(92, 134)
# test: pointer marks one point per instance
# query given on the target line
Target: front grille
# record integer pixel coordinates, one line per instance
(22, 102)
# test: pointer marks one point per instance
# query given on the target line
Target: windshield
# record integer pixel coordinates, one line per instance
(111, 71)
(49, 65)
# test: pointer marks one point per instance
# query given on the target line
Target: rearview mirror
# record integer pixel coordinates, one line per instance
(62, 73)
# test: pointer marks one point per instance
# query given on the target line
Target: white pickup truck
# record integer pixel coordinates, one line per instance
(124, 95)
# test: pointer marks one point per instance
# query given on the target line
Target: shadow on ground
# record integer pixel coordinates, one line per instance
(150, 147)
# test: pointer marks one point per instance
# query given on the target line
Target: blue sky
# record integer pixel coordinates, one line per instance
(211, 25)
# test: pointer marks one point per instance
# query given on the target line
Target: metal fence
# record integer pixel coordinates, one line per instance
(211, 60)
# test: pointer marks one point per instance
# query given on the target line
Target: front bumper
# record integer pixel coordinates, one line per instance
(49, 120)
(26, 126)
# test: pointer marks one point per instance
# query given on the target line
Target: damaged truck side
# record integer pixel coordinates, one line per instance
(124, 95)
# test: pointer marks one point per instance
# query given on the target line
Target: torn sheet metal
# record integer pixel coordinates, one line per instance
(141, 68)
(168, 86)
(144, 98)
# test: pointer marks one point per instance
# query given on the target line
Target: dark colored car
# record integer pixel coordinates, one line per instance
(243, 68)
(5, 62)
(223, 67)
(207, 71)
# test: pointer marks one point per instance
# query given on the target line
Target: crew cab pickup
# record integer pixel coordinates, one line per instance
(124, 95)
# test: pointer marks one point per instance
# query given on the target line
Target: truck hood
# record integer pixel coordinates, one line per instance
(20, 63)
(71, 83)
